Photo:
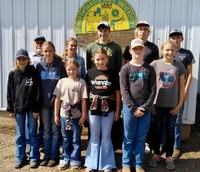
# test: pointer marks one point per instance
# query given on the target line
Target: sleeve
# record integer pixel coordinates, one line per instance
(119, 59)
(125, 88)
(191, 59)
(127, 55)
(89, 57)
(152, 88)
(10, 93)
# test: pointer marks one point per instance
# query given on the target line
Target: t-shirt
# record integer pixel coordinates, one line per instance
(151, 52)
(167, 82)
(103, 83)
(70, 92)
(138, 85)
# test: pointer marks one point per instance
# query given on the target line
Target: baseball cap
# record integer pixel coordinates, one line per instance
(22, 53)
(176, 32)
(39, 37)
(137, 43)
(103, 24)
(142, 23)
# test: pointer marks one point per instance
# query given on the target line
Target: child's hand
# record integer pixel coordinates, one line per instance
(116, 116)
(175, 110)
(57, 120)
(139, 112)
(12, 115)
(81, 121)
(153, 109)
(35, 115)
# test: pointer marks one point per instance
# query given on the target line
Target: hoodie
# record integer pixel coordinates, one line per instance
(23, 91)
(50, 74)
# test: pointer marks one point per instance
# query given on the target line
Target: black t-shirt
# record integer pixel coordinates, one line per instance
(103, 83)
(151, 52)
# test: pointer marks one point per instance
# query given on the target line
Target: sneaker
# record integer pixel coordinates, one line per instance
(153, 162)
(44, 162)
(89, 170)
(126, 169)
(63, 166)
(34, 164)
(147, 149)
(170, 163)
(176, 154)
(53, 163)
(139, 169)
(19, 165)
(75, 167)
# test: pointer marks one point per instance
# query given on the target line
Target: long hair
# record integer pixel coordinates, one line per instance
(99, 51)
(65, 52)
(49, 43)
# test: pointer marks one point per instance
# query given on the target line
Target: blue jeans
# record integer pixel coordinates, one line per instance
(135, 132)
(71, 143)
(100, 152)
(164, 124)
(178, 128)
(21, 137)
(51, 134)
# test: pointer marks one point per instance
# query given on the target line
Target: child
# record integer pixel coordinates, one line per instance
(185, 57)
(51, 69)
(23, 99)
(105, 100)
(70, 52)
(168, 101)
(71, 96)
(138, 89)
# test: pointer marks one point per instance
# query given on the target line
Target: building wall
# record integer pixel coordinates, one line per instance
(21, 20)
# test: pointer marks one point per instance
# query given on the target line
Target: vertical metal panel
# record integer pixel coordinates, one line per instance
(22, 20)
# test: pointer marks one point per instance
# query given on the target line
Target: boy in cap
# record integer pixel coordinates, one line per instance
(138, 89)
(113, 50)
(185, 57)
(36, 56)
(142, 31)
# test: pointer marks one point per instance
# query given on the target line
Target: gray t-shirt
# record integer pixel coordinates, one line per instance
(167, 82)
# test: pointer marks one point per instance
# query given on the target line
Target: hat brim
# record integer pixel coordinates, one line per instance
(137, 45)
(175, 33)
(103, 26)
(21, 56)
(142, 24)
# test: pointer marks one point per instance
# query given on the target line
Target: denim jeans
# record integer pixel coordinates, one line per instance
(178, 128)
(31, 123)
(51, 134)
(71, 143)
(135, 132)
(100, 152)
(164, 124)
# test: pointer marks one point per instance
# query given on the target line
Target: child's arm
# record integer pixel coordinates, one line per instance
(188, 81)
(176, 109)
(56, 110)
(84, 112)
(118, 105)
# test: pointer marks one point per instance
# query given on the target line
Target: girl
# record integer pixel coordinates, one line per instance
(23, 99)
(51, 69)
(71, 95)
(138, 88)
(168, 101)
(70, 52)
(105, 100)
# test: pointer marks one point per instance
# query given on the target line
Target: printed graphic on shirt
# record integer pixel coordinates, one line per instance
(167, 78)
(101, 82)
(49, 75)
(138, 76)
(75, 89)
(29, 82)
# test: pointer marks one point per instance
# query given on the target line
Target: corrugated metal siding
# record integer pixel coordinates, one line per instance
(21, 20)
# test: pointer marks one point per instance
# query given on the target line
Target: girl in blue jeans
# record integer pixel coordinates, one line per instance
(23, 100)
(70, 114)
(138, 88)
(105, 99)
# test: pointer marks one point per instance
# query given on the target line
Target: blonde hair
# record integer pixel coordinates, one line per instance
(65, 52)
(137, 29)
(71, 61)
(99, 51)
(49, 43)
(169, 41)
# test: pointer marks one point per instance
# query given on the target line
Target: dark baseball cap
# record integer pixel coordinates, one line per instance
(40, 37)
(22, 53)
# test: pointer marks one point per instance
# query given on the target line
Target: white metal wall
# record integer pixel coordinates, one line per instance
(21, 20)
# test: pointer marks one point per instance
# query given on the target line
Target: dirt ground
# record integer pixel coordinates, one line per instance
(189, 161)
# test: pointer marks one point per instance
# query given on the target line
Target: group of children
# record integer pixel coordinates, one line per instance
(61, 92)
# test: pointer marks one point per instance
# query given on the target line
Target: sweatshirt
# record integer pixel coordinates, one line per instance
(23, 91)
(50, 74)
